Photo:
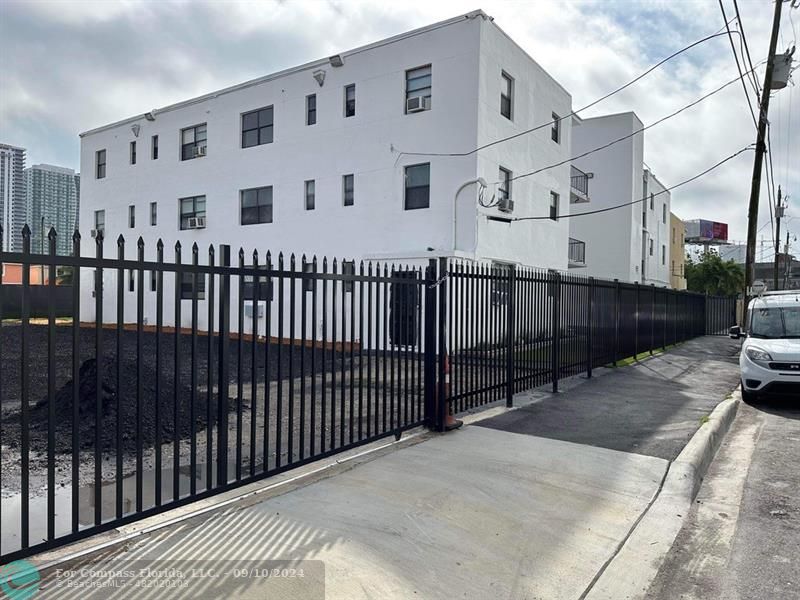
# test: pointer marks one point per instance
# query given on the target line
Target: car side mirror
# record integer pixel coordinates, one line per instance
(735, 332)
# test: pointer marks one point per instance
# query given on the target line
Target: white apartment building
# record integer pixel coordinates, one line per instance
(360, 155)
(13, 205)
(630, 243)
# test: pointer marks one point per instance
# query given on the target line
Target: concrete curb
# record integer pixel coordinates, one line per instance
(630, 571)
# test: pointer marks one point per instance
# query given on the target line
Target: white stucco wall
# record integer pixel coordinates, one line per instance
(541, 243)
(658, 229)
(466, 54)
(613, 238)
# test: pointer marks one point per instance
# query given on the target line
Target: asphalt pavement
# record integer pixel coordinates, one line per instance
(652, 407)
(742, 538)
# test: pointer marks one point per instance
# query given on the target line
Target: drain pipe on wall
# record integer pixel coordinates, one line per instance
(482, 183)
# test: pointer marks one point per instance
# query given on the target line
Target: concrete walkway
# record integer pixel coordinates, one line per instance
(480, 513)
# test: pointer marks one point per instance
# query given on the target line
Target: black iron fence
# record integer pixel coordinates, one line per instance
(178, 379)
(512, 328)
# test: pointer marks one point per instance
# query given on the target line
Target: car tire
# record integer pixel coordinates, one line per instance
(748, 396)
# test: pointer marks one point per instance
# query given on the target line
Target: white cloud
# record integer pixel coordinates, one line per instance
(71, 66)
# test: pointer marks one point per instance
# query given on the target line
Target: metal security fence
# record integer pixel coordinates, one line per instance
(183, 374)
(108, 420)
(512, 328)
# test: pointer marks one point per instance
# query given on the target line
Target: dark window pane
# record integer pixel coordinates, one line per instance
(265, 117)
(418, 175)
(249, 198)
(250, 121)
(505, 106)
(419, 83)
(249, 216)
(250, 138)
(265, 195)
(417, 197)
(265, 214)
(265, 135)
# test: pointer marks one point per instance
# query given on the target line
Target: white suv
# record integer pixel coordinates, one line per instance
(770, 355)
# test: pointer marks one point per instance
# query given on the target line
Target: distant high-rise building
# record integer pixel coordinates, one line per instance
(13, 211)
(53, 198)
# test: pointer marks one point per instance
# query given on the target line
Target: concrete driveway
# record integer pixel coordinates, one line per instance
(483, 512)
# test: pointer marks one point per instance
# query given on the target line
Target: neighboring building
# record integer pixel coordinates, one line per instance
(629, 243)
(331, 158)
(52, 202)
(12, 196)
(677, 253)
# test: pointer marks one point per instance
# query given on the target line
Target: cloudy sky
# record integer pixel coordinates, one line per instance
(66, 67)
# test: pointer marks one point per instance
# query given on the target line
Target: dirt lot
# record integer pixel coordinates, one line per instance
(397, 395)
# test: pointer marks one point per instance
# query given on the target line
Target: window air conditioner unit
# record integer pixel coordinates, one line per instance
(94, 233)
(192, 222)
(506, 205)
(201, 150)
(417, 104)
(200, 222)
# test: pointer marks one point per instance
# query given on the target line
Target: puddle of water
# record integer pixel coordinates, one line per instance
(10, 507)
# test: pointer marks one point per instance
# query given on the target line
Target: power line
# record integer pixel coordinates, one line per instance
(738, 66)
(609, 208)
(573, 113)
(629, 135)
(743, 40)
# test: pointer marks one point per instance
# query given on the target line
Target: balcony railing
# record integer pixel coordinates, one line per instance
(579, 184)
(577, 253)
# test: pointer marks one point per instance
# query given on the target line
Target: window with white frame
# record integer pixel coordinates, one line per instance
(506, 95)
(131, 216)
(555, 131)
(193, 142)
(153, 213)
(419, 83)
(154, 147)
(99, 220)
(350, 100)
(348, 190)
(100, 164)
(133, 153)
(311, 109)
(257, 127)
(256, 205)
(417, 186)
(504, 189)
(310, 194)
(191, 208)
(188, 286)
(554, 208)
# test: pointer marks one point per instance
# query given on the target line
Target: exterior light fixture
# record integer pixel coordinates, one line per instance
(337, 60)
(150, 116)
(319, 75)
(135, 129)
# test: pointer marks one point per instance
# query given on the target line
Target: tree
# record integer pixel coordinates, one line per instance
(712, 275)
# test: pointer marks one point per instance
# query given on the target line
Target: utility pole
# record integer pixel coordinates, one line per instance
(778, 215)
(758, 163)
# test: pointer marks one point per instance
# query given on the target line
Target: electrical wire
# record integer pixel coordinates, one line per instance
(624, 204)
(738, 66)
(743, 40)
(629, 135)
(573, 113)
